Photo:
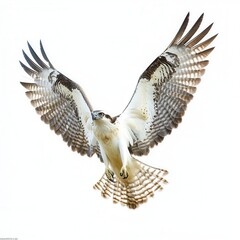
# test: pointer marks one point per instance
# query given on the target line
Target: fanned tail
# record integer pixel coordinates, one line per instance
(144, 184)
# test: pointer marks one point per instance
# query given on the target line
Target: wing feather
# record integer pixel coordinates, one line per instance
(32, 64)
(180, 31)
(61, 103)
(36, 58)
(165, 88)
(203, 44)
(199, 37)
(192, 31)
(45, 55)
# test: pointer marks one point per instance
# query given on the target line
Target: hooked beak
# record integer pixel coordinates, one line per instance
(93, 116)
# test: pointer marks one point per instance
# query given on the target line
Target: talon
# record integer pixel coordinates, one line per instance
(110, 174)
(123, 173)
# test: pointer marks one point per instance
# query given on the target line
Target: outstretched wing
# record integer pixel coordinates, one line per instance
(165, 88)
(61, 103)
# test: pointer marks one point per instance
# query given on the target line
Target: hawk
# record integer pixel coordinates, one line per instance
(157, 105)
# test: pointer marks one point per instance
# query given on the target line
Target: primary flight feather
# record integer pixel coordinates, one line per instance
(158, 103)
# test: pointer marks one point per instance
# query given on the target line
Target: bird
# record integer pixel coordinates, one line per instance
(157, 106)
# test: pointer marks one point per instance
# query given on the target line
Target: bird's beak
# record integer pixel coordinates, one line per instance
(93, 116)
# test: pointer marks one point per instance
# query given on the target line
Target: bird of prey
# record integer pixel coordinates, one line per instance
(157, 105)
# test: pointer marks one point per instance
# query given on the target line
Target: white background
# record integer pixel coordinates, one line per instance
(46, 189)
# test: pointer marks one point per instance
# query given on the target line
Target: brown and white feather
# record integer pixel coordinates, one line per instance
(61, 103)
(166, 87)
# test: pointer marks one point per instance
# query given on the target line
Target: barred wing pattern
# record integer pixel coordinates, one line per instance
(61, 103)
(165, 88)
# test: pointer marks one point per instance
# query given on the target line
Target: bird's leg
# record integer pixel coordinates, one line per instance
(110, 174)
(124, 157)
(123, 172)
(108, 171)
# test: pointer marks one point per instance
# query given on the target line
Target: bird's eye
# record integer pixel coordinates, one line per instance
(101, 114)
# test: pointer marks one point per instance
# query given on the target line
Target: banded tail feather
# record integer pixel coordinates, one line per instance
(146, 182)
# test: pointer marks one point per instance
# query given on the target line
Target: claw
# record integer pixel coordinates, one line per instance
(110, 174)
(124, 173)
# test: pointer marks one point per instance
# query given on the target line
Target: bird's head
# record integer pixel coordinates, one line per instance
(97, 115)
(100, 115)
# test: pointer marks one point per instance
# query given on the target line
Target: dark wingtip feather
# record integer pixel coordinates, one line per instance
(31, 63)
(180, 31)
(192, 31)
(28, 86)
(36, 58)
(45, 55)
(199, 37)
(28, 70)
(24, 84)
(204, 44)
